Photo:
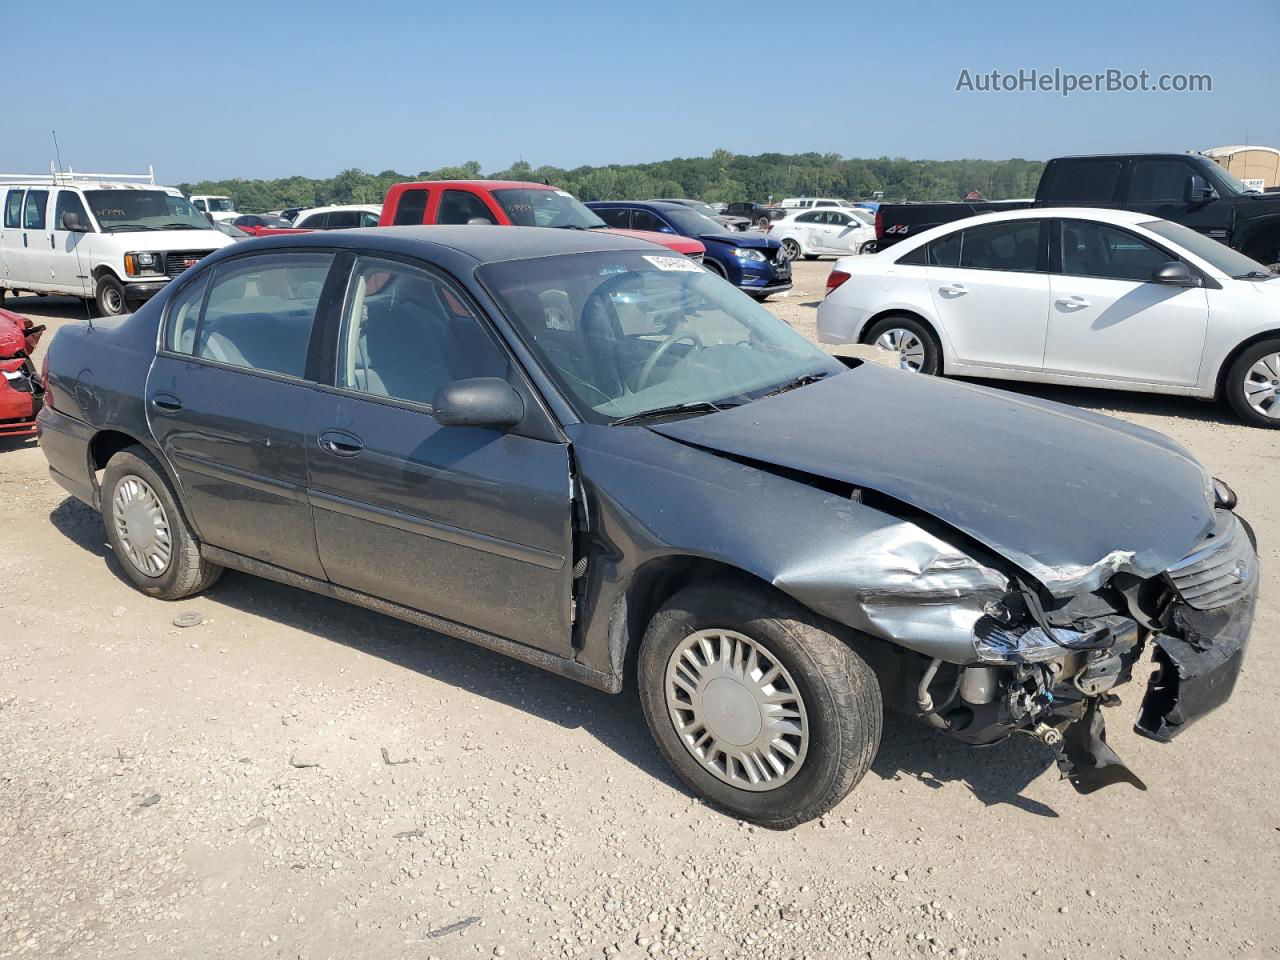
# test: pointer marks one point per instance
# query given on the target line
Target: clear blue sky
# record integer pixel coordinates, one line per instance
(264, 89)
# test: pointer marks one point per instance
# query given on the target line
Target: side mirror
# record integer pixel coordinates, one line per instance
(1175, 274)
(1200, 190)
(71, 222)
(478, 402)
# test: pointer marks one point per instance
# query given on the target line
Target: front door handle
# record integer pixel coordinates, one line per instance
(952, 290)
(166, 403)
(1072, 303)
(340, 443)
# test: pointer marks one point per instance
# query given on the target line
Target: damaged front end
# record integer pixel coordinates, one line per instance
(1046, 667)
(20, 388)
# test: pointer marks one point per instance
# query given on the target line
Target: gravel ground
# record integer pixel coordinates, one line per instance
(295, 778)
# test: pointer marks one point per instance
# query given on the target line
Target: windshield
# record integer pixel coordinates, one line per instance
(126, 211)
(863, 215)
(697, 206)
(629, 332)
(692, 223)
(219, 205)
(1219, 255)
(531, 207)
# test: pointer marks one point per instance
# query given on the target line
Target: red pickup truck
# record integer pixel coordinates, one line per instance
(507, 203)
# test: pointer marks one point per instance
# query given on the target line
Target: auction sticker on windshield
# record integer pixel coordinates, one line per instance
(683, 264)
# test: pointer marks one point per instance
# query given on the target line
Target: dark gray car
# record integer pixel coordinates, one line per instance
(592, 455)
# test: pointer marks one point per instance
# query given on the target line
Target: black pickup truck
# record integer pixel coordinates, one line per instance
(1185, 188)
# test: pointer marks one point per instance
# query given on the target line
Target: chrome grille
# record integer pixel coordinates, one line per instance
(1221, 570)
(175, 263)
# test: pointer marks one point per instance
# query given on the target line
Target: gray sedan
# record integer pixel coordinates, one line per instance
(592, 455)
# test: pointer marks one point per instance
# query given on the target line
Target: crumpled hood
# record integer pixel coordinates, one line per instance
(1069, 496)
(748, 241)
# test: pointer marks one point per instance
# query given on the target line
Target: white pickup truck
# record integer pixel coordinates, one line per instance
(214, 207)
(115, 238)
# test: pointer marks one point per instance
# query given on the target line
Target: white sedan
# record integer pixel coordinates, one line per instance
(1093, 298)
(824, 230)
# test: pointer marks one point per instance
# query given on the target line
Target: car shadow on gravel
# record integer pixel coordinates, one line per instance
(995, 775)
(1120, 401)
(616, 721)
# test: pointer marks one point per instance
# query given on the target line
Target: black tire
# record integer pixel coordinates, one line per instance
(811, 256)
(792, 249)
(1239, 373)
(840, 693)
(932, 363)
(108, 298)
(714, 268)
(763, 223)
(187, 573)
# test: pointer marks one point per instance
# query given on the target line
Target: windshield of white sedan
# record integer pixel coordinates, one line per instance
(126, 211)
(1231, 262)
(628, 333)
(546, 208)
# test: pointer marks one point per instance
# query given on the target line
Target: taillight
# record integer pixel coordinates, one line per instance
(834, 279)
(879, 224)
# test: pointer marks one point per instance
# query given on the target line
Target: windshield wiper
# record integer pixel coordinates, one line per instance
(182, 226)
(690, 406)
(127, 227)
(802, 381)
(1255, 275)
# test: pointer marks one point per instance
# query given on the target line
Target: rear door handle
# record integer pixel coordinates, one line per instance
(1072, 303)
(166, 402)
(340, 444)
(952, 290)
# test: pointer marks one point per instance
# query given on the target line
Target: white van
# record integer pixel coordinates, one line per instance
(214, 207)
(806, 203)
(117, 238)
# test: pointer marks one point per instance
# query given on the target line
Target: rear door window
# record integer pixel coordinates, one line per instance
(945, 251)
(620, 219)
(317, 221)
(13, 208)
(33, 210)
(462, 206)
(260, 311)
(342, 219)
(412, 207)
(1012, 246)
(1081, 181)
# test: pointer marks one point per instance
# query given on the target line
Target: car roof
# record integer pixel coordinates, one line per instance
(485, 244)
(487, 184)
(367, 207)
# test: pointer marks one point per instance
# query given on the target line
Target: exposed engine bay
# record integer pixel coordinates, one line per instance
(20, 389)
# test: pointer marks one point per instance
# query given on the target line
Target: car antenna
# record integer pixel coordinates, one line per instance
(57, 153)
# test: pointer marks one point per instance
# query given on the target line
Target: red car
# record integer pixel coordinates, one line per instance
(508, 203)
(264, 224)
(20, 388)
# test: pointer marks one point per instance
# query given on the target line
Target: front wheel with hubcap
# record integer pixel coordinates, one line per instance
(147, 531)
(759, 708)
(1252, 384)
(913, 343)
(109, 297)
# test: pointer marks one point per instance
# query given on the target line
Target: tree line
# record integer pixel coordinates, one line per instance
(723, 176)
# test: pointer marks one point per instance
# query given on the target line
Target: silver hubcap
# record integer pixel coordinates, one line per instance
(1262, 386)
(112, 300)
(737, 710)
(142, 526)
(906, 345)
(791, 249)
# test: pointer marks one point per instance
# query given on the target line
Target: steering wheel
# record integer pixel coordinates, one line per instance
(649, 365)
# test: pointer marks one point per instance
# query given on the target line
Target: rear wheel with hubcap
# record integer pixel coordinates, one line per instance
(147, 531)
(757, 707)
(1252, 384)
(791, 248)
(914, 344)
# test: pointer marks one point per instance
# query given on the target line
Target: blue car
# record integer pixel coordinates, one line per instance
(752, 262)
